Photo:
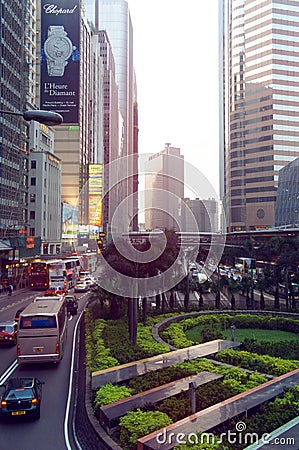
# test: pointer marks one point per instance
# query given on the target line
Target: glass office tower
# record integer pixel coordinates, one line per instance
(260, 56)
(115, 19)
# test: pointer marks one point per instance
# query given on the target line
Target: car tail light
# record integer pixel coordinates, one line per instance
(18, 350)
(34, 401)
(3, 403)
(57, 348)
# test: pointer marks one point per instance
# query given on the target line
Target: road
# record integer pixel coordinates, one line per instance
(51, 430)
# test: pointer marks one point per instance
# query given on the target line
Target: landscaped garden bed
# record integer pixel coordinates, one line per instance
(103, 340)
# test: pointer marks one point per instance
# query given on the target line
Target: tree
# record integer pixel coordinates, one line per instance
(216, 288)
(261, 284)
(233, 287)
(121, 256)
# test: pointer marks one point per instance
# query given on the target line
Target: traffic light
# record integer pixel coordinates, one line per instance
(100, 244)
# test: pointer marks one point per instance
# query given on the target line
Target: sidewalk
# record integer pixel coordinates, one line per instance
(4, 294)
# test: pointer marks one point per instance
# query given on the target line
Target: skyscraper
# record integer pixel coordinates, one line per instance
(114, 18)
(164, 189)
(259, 61)
(14, 133)
(287, 203)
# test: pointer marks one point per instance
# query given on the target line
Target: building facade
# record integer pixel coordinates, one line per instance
(44, 189)
(287, 202)
(114, 18)
(164, 189)
(110, 129)
(14, 133)
(260, 130)
(205, 213)
(77, 93)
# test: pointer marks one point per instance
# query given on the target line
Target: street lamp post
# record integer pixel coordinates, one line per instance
(49, 118)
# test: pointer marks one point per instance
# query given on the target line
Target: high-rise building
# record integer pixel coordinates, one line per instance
(114, 18)
(14, 134)
(72, 84)
(259, 62)
(44, 189)
(203, 211)
(110, 128)
(164, 189)
(287, 202)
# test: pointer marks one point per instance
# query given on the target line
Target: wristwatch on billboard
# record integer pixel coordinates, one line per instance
(58, 48)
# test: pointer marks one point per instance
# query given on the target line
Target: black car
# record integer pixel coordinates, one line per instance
(21, 397)
(71, 304)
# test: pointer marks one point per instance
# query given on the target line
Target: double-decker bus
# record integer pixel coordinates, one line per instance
(39, 272)
(64, 274)
(42, 331)
(88, 262)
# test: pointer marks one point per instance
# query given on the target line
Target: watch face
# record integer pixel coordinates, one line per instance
(57, 47)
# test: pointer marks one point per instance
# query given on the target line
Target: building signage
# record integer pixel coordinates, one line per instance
(60, 58)
(95, 194)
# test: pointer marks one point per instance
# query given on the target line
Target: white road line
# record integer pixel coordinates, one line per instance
(9, 371)
(67, 411)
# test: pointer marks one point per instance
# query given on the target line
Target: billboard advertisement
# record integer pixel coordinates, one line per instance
(60, 58)
(95, 181)
(69, 221)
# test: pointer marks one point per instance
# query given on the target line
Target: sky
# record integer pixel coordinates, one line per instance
(176, 65)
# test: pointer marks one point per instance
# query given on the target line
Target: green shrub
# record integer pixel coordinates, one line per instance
(174, 334)
(253, 361)
(209, 334)
(283, 349)
(136, 424)
(110, 393)
(98, 357)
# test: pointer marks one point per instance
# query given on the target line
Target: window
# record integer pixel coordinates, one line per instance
(32, 215)
(32, 198)
(33, 181)
(33, 164)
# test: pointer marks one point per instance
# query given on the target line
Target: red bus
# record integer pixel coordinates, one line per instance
(39, 272)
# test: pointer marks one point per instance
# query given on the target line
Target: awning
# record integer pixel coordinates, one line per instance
(4, 246)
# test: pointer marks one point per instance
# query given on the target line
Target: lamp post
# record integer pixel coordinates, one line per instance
(49, 118)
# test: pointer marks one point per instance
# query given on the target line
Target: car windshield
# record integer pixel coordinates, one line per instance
(6, 328)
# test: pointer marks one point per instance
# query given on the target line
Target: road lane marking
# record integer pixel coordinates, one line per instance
(67, 410)
(9, 371)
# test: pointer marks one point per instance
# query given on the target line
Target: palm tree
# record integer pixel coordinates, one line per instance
(216, 288)
(282, 250)
(261, 284)
(233, 287)
(245, 286)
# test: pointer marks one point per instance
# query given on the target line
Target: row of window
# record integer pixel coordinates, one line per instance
(260, 189)
(243, 201)
(33, 182)
(240, 182)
